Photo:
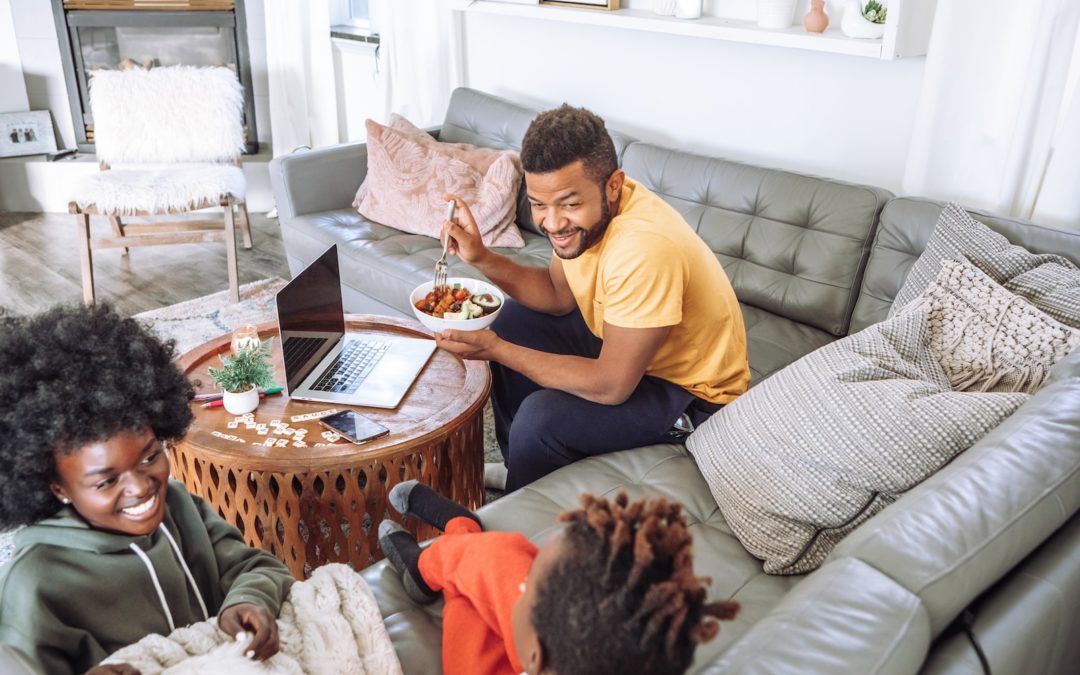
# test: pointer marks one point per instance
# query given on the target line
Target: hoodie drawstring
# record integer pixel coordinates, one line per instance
(157, 584)
(183, 563)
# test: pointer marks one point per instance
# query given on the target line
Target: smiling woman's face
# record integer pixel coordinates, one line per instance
(117, 485)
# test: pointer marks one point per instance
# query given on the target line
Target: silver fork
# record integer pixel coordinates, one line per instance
(440, 264)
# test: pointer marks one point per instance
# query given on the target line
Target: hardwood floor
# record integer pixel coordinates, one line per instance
(39, 265)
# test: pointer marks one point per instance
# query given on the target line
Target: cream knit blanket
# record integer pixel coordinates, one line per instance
(330, 624)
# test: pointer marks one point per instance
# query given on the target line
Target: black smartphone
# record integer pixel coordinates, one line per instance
(354, 427)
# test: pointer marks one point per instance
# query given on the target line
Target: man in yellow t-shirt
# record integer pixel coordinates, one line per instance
(631, 329)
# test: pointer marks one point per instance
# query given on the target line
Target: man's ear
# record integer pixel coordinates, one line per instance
(613, 187)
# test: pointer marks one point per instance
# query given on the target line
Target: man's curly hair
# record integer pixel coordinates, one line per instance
(558, 138)
(624, 598)
(71, 376)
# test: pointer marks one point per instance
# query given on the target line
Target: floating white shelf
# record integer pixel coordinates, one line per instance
(914, 16)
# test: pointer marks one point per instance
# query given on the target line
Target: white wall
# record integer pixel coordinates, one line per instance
(12, 87)
(838, 116)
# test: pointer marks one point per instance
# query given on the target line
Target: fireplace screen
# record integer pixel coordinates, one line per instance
(109, 39)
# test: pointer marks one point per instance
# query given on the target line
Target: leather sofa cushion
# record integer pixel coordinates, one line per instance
(792, 245)
(905, 227)
(964, 528)
(773, 341)
(658, 470)
(845, 618)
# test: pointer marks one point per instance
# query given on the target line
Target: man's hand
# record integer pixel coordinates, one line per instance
(475, 344)
(114, 669)
(254, 619)
(464, 235)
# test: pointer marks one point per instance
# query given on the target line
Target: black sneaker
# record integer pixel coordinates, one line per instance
(401, 549)
(413, 498)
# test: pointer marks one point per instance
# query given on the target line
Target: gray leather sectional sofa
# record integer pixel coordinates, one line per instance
(991, 542)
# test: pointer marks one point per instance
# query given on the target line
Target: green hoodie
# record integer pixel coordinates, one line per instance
(73, 595)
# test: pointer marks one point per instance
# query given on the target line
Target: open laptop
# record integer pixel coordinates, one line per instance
(323, 362)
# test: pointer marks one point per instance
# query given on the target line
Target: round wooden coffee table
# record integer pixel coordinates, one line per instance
(314, 505)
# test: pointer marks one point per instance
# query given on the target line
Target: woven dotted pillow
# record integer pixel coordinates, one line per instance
(805, 457)
(1049, 282)
(986, 338)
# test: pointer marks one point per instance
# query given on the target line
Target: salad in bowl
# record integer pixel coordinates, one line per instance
(460, 304)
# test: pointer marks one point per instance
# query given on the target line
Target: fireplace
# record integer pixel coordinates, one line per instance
(147, 33)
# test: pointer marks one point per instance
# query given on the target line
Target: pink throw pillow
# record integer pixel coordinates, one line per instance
(409, 171)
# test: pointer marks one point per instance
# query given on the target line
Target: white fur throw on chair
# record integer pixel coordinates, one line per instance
(124, 192)
(169, 114)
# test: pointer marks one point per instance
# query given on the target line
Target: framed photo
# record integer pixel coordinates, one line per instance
(591, 4)
(26, 133)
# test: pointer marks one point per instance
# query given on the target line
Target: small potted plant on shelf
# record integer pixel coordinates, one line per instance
(864, 21)
(242, 374)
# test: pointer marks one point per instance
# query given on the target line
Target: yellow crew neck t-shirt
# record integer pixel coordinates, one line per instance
(650, 270)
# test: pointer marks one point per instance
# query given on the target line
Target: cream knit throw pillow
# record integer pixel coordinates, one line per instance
(986, 338)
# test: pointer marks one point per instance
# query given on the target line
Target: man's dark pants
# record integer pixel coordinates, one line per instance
(540, 430)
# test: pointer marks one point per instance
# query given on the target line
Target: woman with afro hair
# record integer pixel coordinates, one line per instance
(110, 550)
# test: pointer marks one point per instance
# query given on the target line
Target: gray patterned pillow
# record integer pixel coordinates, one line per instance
(986, 338)
(1050, 282)
(805, 457)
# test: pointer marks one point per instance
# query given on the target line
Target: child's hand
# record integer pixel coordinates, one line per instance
(254, 619)
(114, 669)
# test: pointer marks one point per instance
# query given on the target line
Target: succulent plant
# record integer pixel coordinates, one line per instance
(874, 11)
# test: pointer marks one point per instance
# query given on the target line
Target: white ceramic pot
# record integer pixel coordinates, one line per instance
(775, 13)
(241, 403)
(688, 9)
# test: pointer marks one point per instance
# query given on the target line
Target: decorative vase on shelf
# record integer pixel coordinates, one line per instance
(816, 21)
(775, 13)
(855, 25)
(687, 9)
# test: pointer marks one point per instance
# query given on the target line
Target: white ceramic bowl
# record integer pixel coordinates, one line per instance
(474, 286)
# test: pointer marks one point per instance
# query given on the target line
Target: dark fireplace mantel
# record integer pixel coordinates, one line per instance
(147, 33)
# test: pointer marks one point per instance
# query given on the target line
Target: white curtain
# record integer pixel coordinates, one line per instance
(300, 69)
(998, 120)
(420, 57)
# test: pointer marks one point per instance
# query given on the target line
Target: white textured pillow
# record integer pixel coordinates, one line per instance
(801, 460)
(1049, 282)
(986, 338)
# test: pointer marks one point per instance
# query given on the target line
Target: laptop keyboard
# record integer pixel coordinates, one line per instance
(352, 366)
(297, 350)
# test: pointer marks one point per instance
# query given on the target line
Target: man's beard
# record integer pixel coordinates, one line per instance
(590, 236)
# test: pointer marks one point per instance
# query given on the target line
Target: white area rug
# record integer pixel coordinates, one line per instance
(193, 322)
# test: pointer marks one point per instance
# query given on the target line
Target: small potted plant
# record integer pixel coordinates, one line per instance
(241, 376)
(864, 21)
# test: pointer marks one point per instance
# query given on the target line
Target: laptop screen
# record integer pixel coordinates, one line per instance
(311, 316)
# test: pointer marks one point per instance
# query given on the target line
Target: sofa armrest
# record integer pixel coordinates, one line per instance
(323, 179)
(844, 618)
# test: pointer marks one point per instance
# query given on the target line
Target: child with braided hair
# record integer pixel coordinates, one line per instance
(614, 591)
